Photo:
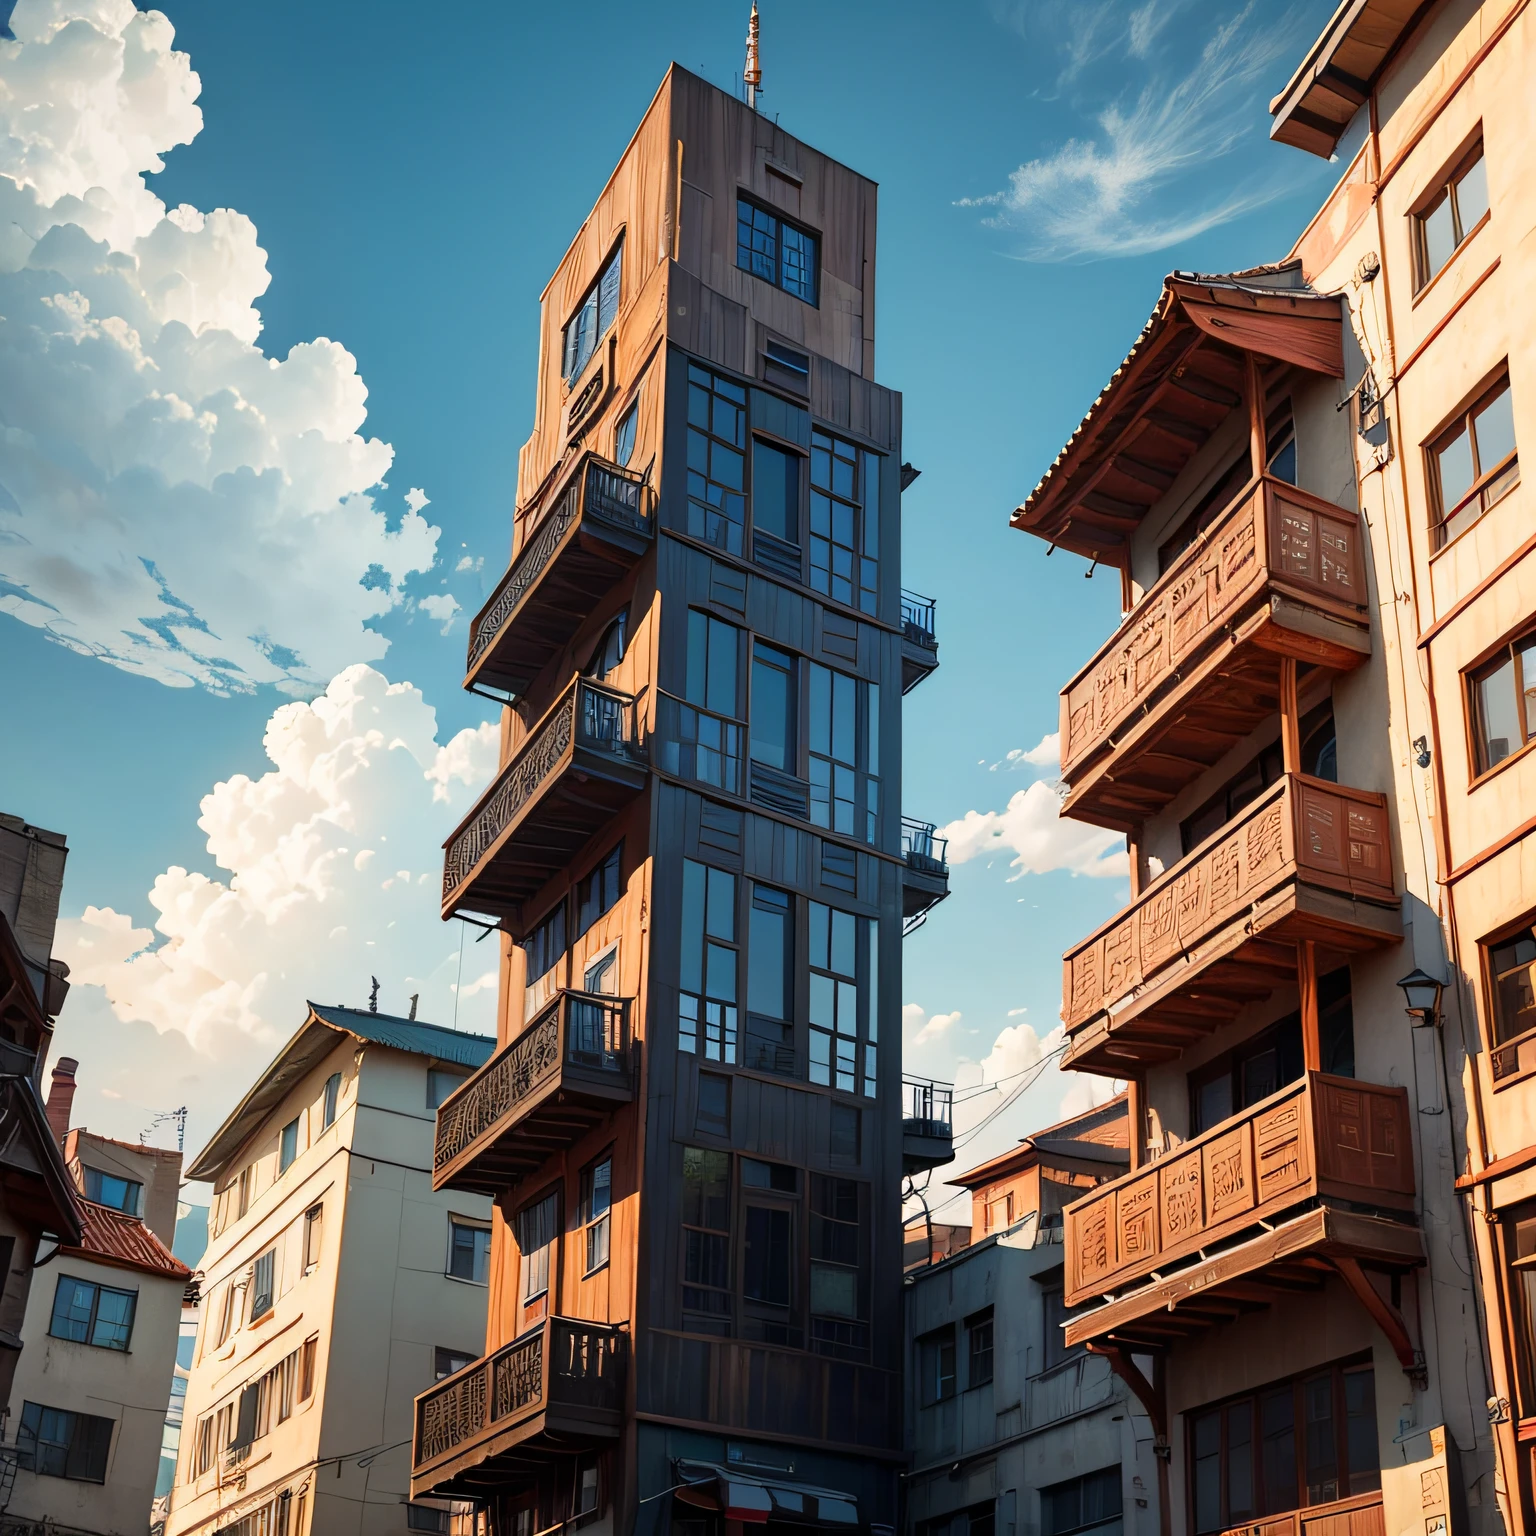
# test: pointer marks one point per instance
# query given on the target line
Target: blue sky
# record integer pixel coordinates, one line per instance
(412, 181)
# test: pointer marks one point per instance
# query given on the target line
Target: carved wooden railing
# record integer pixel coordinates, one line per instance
(1362, 1515)
(593, 488)
(581, 1030)
(566, 1363)
(1318, 1136)
(588, 715)
(1274, 536)
(1299, 828)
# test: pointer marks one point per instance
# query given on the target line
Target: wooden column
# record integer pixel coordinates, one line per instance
(1127, 591)
(1133, 855)
(1136, 1118)
(1290, 716)
(1258, 445)
(1306, 984)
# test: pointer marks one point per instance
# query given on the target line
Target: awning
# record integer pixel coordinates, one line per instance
(755, 1499)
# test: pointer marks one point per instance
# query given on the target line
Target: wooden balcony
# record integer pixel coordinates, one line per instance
(919, 642)
(574, 770)
(925, 872)
(553, 1391)
(1307, 860)
(1314, 1181)
(927, 1124)
(1196, 666)
(600, 522)
(1361, 1515)
(536, 1096)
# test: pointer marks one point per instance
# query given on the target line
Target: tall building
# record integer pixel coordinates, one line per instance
(1311, 727)
(336, 1284)
(1010, 1428)
(695, 1127)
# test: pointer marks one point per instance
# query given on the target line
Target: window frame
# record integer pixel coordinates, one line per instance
(68, 1449)
(719, 524)
(714, 1310)
(1445, 186)
(441, 1354)
(712, 1029)
(573, 373)
(1497, 1039)
(314, 1236)
(458, 1223)
(596, 1225)
(288, 1145)
(597, 878)
(1490, 485)
(780, 222)
(980, 1326)
(331, 1099)
(1488, 666)
(267, 1257)
(864, 517)
(93, 1318)
(91, 1175)
(1080, 1484)
(935, 1385)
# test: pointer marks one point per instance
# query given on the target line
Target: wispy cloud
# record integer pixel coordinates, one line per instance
(1141, 178)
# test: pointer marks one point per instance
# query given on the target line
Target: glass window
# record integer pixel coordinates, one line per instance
(708, 999)
(598, 892)
(288, 1146)
(596, 1197)
(1503, 702)
(469, 1251)
(1517, 1232)
(845, 522)
(1512, 972)
(845, 786)
(332, 1095)
(775, 491)
(118, 1193)
(717, 441)
(92, 1314)
(1055, 1314)
(314, 1228)
(263, 1276)
(773, 709)
(768, 1255)
(446, 1361)
(839, 1268)
(1088, 1503)
(936, 1362)
(609, 651)
(596, 313)
(441, 1084)
(768, 953)
(56, 1443)
(1473, 462)
(706, 1213)
(1452, 214)
(714, 664)
(713, 1112)
(624, 435)
(545, 946)
(775, 250)
(834, 999)
(978, 1339)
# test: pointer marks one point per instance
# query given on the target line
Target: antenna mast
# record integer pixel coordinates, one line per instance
(752, 71)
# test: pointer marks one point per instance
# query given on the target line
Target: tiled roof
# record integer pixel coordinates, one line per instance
(110, 1237)
(410, 1035)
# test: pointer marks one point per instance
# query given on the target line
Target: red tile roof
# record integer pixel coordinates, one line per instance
(113, 1238)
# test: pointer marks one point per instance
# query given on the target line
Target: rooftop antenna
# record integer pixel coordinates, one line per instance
(373, 996)
(166, 1117)
(752, 71)
(414, 997)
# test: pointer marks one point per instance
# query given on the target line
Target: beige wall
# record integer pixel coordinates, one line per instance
(156, 1168)
(129, 1387)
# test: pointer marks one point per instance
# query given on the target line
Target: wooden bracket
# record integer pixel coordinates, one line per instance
(1386, 1316)
(1125, 1368)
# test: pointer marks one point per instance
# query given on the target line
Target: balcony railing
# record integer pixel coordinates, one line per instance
(1320, 1136)
(600, 521)
(1362, 1515)
(927, 1123)
(694, 743)
(925, 880)
(590, 729)
(919, 641)
(537, 1094)
(1307, 859)
(567, 1380)
(1195, 666)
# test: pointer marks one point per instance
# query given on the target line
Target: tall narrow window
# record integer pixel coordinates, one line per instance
(774, 708)
(1512, 972)
(596, 313)
(332, 1096)
(714, 663)
(1503, 702)
(839, 1282)
(545, 946)
(288, 1146)
(596, 1197)
(717, 442)
(262, 1277)
(624, 435)
(936, 1365)
(707, 1001)
(772, 248)
(535, 1229)
(610, 649)
(314, 1230)
(776, 530)
(706, 1214)
(834, 998)
(598, 891)
(845, 522)
(844, 747)
(978, 1349)
(770, 996)
(1452, 212)
(699, 738)
(1473, 462)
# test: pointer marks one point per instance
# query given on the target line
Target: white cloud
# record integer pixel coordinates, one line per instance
(1039, 837)
(982, 1087)
(923, 1028)
(1118, 191)
(440, 606)
(1087, 1091)
(470, 563)
(302, 911)
(172, 500)
(1046, 753)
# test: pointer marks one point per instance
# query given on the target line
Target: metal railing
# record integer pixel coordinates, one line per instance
(917, 618)
(927, 1107)
(922, 847)
(697, 744)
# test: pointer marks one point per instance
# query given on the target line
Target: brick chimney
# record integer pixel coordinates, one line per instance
(61, 1097)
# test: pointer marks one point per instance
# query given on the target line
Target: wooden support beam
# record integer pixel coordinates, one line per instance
(1384, 1314)
(1290, 716)
(1154, 1401)
(1257, 443)
(1136, 1117)
(1306, 984)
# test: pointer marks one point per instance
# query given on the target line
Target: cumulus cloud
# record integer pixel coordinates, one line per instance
(1046, 753)
(922, 1028)
(332, 870)
(982, 1087)
(1119, 190)
(172, 500)
(440, 606)
(1087, 1091)
(1040, 839)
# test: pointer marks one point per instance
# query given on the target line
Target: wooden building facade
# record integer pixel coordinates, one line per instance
(695, 1125)
(1313, 728)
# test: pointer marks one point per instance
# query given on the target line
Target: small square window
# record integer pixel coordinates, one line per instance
(445, 1362)
(469, 1251)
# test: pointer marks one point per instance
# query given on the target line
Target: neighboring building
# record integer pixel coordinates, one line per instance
(336, 1285)
(696, 1125)
(1310, 726)
(36, 1197)
(926, 1242)
(1009, 1428)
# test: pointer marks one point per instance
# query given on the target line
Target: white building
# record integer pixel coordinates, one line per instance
(336, 1285)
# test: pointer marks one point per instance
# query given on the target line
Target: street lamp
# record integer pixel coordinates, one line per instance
(1422, 993)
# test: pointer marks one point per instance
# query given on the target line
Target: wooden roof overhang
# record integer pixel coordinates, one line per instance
(1186, 373)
